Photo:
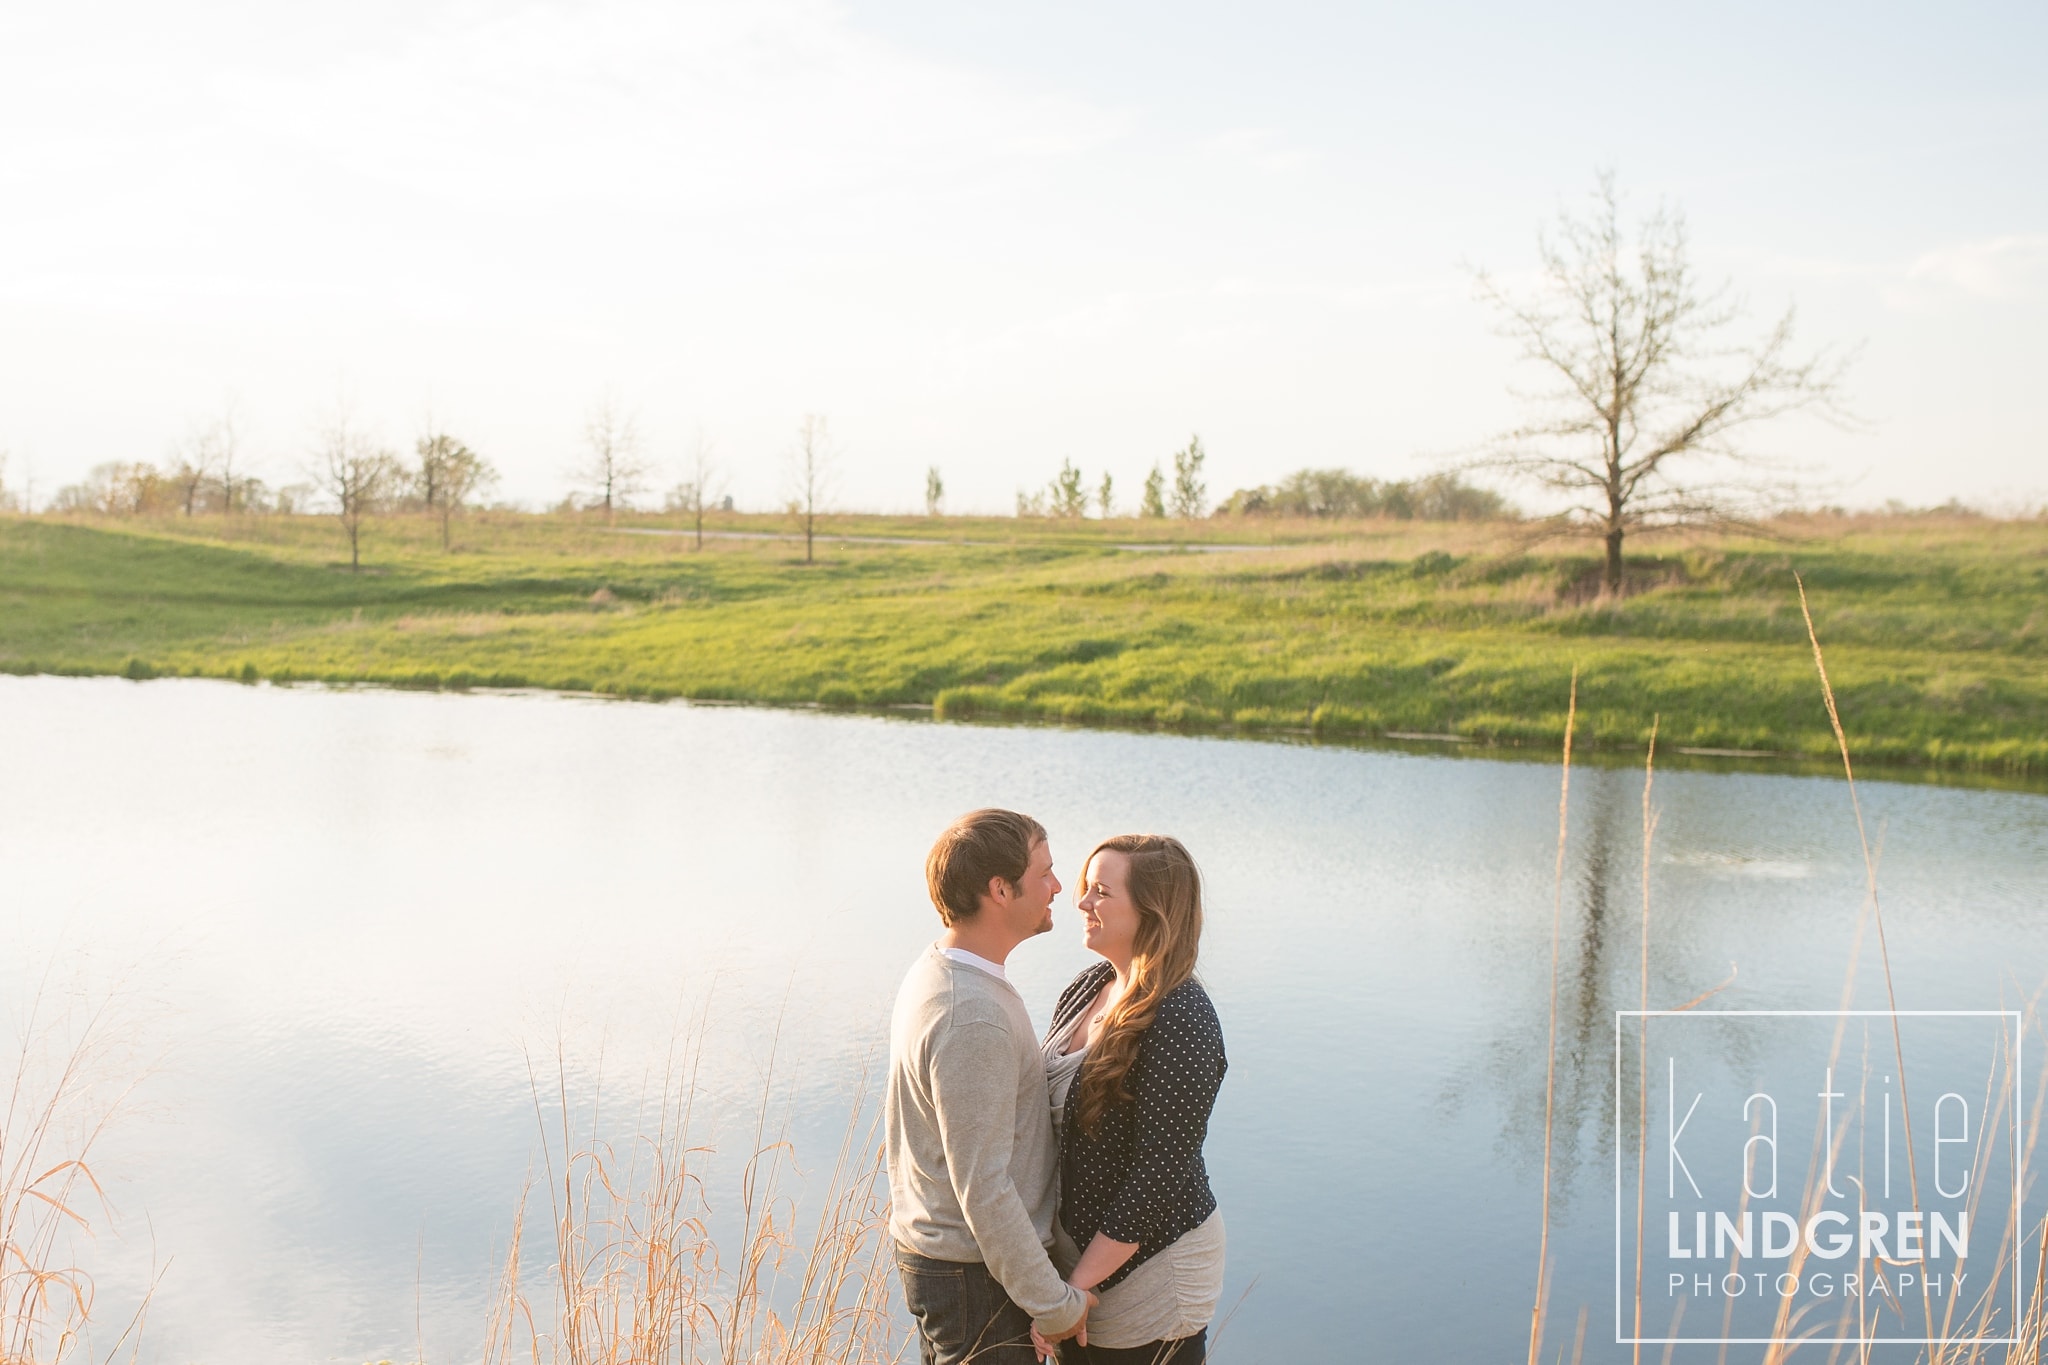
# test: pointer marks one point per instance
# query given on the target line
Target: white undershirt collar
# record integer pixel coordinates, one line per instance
(978, 962)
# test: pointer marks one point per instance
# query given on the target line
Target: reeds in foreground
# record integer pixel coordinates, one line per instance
(1964, 1338)
(638, 1277)
(1564, 796)
(57, 1107)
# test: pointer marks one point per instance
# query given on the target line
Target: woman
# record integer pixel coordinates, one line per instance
(1133, 1060)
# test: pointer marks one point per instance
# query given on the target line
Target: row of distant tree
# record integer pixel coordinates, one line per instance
(351, 475)
(1340, 493)
(1305, 493)
(1071, 496)
(205, 473)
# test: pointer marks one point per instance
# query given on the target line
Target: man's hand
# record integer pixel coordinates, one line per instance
(1045, 1346)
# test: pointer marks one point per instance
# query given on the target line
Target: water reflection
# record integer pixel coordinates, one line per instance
(1586, 1062)
(1594, 921)
(423, 885)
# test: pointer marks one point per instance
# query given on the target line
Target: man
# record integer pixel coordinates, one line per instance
(973, 1169)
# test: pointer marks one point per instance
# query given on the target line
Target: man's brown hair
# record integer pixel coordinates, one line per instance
(977, 848)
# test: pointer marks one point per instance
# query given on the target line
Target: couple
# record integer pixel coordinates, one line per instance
(1050, 1198)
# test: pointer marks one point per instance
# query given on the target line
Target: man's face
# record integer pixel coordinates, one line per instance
(1032, 908)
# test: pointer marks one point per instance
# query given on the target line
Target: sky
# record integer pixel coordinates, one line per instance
(988, 239)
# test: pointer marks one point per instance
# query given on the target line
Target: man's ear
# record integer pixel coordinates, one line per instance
(1000, 890)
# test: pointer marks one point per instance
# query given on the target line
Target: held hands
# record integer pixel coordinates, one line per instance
(1047, 1347)
(1104, 1256)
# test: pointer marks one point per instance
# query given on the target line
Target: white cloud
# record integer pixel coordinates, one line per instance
(2010, 267)
(1992, 269)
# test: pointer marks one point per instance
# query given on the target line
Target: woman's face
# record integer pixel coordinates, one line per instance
(1109, 921)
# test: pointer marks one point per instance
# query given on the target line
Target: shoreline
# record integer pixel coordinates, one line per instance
(1585, 753)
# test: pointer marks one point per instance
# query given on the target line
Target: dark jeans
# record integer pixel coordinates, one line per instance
(962, 1314)
(1186, 1351)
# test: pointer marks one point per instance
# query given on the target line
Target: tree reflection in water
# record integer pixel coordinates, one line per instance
(1598, 971)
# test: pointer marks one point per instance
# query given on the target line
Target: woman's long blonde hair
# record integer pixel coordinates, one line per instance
(1166, 889)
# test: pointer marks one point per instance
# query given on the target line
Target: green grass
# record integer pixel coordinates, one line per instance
(1936, 630)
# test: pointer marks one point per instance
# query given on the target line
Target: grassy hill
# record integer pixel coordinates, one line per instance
(1936, 629)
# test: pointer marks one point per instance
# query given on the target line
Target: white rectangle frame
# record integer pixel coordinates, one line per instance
(2014, 1017)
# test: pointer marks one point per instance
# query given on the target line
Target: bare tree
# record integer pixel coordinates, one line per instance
(613, 469)
(448, 475)
(355, 475)
(1642, 380)
(225, 441)
(810, 475)
(205, 464)
(194, 456)
(696, 492)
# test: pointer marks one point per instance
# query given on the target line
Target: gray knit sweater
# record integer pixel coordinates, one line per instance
(973, 1169)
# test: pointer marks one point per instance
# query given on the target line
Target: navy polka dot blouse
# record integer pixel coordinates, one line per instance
(1139, 1177)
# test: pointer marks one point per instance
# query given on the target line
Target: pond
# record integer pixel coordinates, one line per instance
(336, 926)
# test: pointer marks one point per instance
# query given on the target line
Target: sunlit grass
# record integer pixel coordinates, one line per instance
(1938, 627)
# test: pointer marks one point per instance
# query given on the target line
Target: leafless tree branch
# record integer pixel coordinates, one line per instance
(810, 474)
(613, 468)
(355, 474)
(1643, 381)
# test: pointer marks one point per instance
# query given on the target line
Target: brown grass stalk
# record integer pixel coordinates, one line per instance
(1550, 1056)
(1969, 1345)
(639, 1278)
(1969, 1348)
(56, 1110)
(1643, 1034)
(1884, 956)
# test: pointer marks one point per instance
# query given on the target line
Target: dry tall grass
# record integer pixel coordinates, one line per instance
(59, 1103)
(1564, 795)
(1968, 1333)
(639, 1278)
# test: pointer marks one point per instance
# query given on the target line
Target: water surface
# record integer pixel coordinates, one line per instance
(339, 923)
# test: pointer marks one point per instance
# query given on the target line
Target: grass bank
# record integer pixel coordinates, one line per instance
(1936, 629)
